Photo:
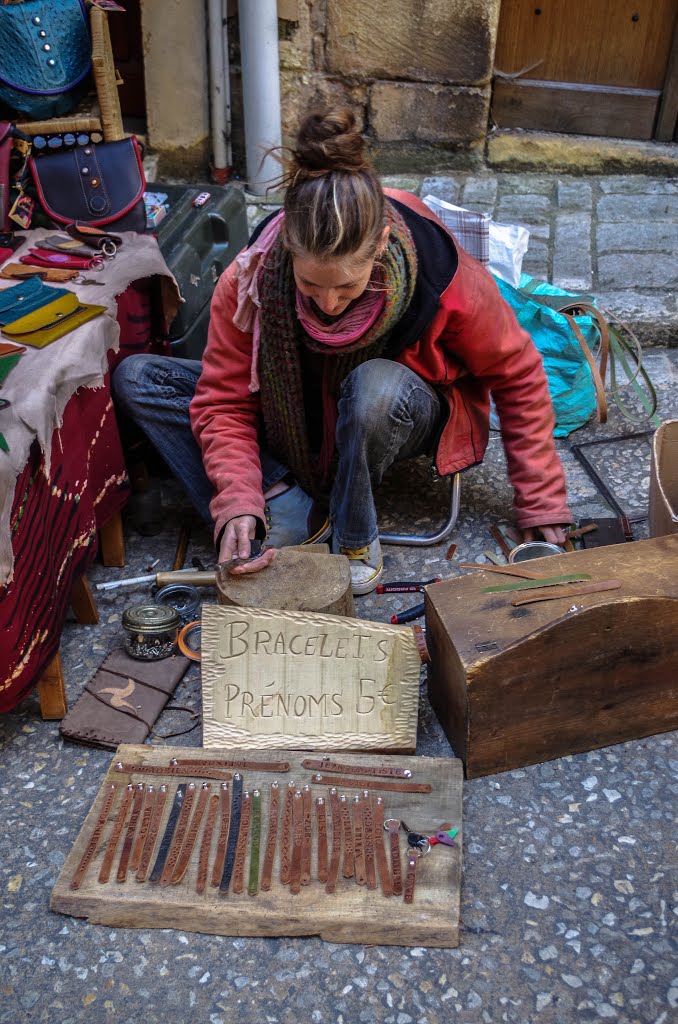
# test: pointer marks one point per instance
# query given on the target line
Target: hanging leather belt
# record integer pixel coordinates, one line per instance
(325, 765)
(138, 847)
(173, 769)
(333, 873)
(321, 817)
(206, 844)
(191, 835)
(368, 839)
(253, 883)
(93, 841)
(307, 837)
(347, 828)
(169, 832)
(271, 837)
(297, 833)
(393, 829)
(178, 837)
(241, 848)
(116, 832)
(233, 832)
(286, 836)
(153, 829)
(370, 784)
(224, 825)
(137, 805)
(379, 849)
(234, 762)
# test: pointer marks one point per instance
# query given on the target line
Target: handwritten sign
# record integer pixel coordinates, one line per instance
(305, 680)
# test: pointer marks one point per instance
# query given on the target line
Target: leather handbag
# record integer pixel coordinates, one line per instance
(25, 298)
(45, 325)
(45, 56)
(99, 183)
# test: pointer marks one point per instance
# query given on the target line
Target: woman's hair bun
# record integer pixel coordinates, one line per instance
(328, 140)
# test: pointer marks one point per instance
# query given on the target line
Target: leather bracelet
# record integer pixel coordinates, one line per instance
(173, 769)
(175, 809)
(224, 825)
(241, 848)
(272, 836)
(286, 836)
(390, 787)
(368, 840)
(93, 841)
(393, 828)
(137, 805)
(206, 843)
(233, 762)
(297, 832)
(321, 818)
(153, 829)
(253, 882)
(178, 837)
(116, 832)
(333, 873)
(307, 835)
(325, 765)
(410, 876)
(379, 849)
(137, 849)
(347, 828)
(191, 835)
(359, 840)
(233, 832)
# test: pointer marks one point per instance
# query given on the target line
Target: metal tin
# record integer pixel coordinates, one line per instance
(533, 549)
(151, 631)
(183, 597)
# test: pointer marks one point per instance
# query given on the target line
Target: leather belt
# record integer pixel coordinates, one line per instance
(298, 830)
(368, 839)
(93, 842)
(393, 829)
(411, 875)
(178, 837)
(347, 828)
(169, 832)
(307, 836)
(325, 765)
(206, 844)
(138, 847)
(253, 883)
(191, 835)
(333, 873)
(286, 836)
(379, 849)
(321, 817)
(370, 784)
(173, 769)
(272, 836)
(233, 830)
(241, 848)
(116, 832)
(225, 807)
(137, 805)
(233, 762)
(153, 829)
(359, 840)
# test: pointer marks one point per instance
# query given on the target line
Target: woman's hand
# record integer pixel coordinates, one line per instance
(554, 534)
(236, 543)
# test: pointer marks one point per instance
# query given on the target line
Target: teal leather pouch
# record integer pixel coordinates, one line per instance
(25, 297)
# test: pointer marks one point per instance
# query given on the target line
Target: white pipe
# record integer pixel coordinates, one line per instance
(217, 83)
(261, 90)
(227, 83)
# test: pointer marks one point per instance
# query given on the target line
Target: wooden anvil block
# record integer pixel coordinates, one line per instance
(514, 686)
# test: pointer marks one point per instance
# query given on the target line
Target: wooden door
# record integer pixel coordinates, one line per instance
(591, 67)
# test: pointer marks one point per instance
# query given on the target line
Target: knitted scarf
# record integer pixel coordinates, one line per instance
(280, 364)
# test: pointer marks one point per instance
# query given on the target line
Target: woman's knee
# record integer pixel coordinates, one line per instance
(373, 391)
(139, 377)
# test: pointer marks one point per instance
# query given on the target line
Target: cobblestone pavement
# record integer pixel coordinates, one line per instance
(570, 886)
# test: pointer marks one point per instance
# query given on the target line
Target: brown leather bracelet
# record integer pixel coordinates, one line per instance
(271, 836)
(241, 848)
(137, 805)
(321, 818)
(410, 875)
(379, 849)
(371, 784)
(307, 836)
(178, 837)
(206, 844)
(393, 829)
(347, 829)
(286, 836)
(232, 762)
(333, 873)
(368, 841)
(152, 836)
(191, 835)
(297, 834)
(173, 769)
(359, 840)
(93, 841)
(326, 765)
(225, 807)
(116, 832)
(138, 847)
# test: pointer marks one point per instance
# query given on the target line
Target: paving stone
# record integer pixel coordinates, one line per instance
(574, 194)
(630, 184)
(637, 208)
(643, 271)
(653, 317)
(530, 184)
(572, 252)
(656, 236)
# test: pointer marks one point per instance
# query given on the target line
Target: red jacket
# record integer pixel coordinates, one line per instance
(472, 347)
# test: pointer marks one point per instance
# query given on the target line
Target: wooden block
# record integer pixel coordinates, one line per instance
(52, 691)
(517, 686)
(112, 542)
(299, 579)
(83, 604)
(303, 680)
(353, 914)
(664, 480)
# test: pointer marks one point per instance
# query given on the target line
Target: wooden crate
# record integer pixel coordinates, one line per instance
(514, 686)
(352, 914)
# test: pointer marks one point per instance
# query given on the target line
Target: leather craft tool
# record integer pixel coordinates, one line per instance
(550, 581)
(297, 834)
(173, 769)
(286, 836)
(138, 847)
(359, 840)
(321, 818)
(555, 594)
(153, 829)
(220, 859)
(206, 844)
(581, 531)
(347, 830)
(379, 849)
(333, 873)
(116, 832)
(178, 837)
(272, 835)
(392, 826)
(325, 765)
(191, 835)
(392, 787)
(307, 837)
(253, 883)
(255, 551)
(137, 806)
(241, 848)
(233, 832)
(368, 840)
(93, 841)
(169, 832)
(233, 762)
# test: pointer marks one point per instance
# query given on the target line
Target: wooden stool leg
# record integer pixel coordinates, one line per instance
(51, 690)
(83, 604)
(112, 542)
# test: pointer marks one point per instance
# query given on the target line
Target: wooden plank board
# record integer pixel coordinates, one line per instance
(352, 914)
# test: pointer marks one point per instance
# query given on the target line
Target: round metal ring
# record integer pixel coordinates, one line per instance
(388, 822)
(189, 640)
(183, 597)
(109, 248)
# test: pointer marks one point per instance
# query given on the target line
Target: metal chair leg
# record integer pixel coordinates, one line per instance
(428, 540)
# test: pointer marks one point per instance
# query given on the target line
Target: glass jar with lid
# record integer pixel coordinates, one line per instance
(150, 631)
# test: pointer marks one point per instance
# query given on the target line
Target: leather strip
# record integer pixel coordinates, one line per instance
(390, 787)
(178, 837)
(241, 848)
(307, 836)
(272, 836)
(233, 831)
(379, 848)
(567, 592)
(393, 829)
(298, 831)
(206, 844)
(253, 883)
(381, 771)
(286, 836)
(359, 840)
(137, 805)
(321, 817)
(191, 835)
(219, 860)
(507, 570)
(368, 840)
(138, 847)
(234, 762)
(410, 876)
(347, 828)
(93, 841)
(173, 769)
(116, 832)
(153, 829)
(550, 581)
(169, 832)
(333, 874)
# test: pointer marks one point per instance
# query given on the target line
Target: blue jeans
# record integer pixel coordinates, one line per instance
(386, 412)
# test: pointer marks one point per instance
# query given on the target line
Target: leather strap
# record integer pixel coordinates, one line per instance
(93, 841)
(233, 832)
(321, 818)
(206, 844)
(368, 839)
(307, 837)
(297, 832)
(379, 848)
(506, 570)
(138, 847)
(333, 874)
(390, 787)
(598, 375)
(410, 876)
(253, 883)
(116, 832)
(191, 835)
(567, 592)
(359, 840)
(381, 771)
(169, 832)
(393, 828)
(153, 829)
(241, 848)
(173, 769)
(286, 836)
(137, 805)
(178, 838)
(272, 835)
(347, 829)
(233, 762)
(225, 808)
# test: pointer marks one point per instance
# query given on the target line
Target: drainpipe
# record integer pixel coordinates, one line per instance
(261, 90)
(220, 92)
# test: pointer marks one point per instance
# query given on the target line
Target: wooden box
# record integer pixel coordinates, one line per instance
(514, 686)
(664, 480)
